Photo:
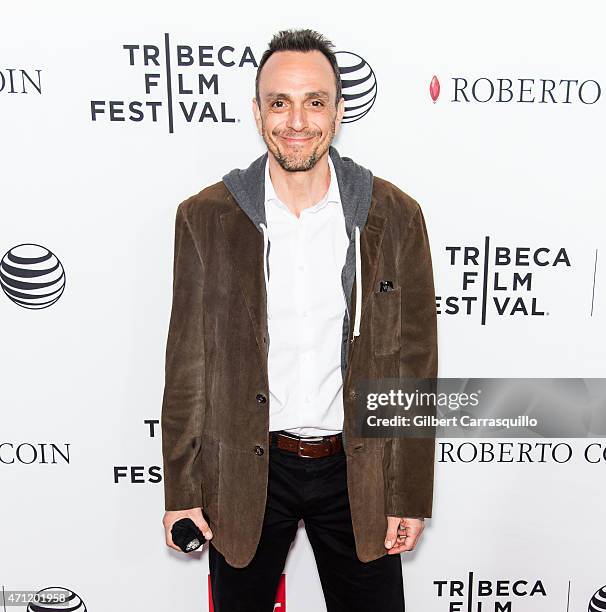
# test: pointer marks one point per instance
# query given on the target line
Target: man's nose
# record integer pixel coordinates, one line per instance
(297, 118)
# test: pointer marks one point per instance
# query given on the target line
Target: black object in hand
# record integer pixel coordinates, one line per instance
(186, 535)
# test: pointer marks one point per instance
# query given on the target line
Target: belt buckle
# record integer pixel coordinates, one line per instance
(300, 451)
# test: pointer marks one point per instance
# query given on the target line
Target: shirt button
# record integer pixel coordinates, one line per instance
(259, 450)
(299, 267)
(307, 399)
(261, 398)
(305, 313)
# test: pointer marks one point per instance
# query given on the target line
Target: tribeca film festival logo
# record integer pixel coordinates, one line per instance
(181, 83)
(499, 279)
(20, 81)
(518, 90)
(135, 474)
(31, 276)
(500, 595)
(488, 595)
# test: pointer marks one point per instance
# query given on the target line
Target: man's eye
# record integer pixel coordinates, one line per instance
(316, 102)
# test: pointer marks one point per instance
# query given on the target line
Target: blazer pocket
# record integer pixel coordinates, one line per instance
(386, 321)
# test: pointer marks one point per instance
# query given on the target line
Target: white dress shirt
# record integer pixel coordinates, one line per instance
(305, 310)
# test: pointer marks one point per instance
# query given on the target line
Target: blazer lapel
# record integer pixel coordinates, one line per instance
(245, 250)
(371, 237)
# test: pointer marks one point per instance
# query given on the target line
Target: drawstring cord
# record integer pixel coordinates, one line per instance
(356, 329)
(265, 241)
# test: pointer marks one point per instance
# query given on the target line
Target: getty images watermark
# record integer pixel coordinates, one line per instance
(481, 407)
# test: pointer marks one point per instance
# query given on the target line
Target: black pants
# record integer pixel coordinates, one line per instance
(314, 490)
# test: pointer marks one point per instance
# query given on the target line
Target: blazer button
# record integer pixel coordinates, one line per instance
(259, 450)
(261, 398)
(353, 394)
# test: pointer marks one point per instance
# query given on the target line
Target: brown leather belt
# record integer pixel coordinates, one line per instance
(312, 448)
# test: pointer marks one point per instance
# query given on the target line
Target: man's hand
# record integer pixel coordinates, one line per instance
(195, 514)
(402, 533)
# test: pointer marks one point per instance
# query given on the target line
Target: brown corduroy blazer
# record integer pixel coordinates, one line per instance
(215, 417)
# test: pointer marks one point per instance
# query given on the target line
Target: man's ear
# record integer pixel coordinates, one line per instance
(340, 113)
(257, 116)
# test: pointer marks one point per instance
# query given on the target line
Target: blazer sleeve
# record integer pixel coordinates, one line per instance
(410, 472)
(184, 394)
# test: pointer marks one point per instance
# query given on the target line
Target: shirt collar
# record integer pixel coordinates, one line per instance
(333, 194)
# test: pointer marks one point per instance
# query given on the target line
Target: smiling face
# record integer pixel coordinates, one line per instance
(298, 119)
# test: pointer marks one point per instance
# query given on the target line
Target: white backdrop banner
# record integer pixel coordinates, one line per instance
(113, 113)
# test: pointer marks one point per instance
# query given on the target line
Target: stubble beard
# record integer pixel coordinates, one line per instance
(295, 161)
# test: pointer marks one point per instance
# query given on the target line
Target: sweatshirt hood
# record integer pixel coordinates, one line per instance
(355, 187)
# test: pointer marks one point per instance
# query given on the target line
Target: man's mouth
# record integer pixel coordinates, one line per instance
(296, 140)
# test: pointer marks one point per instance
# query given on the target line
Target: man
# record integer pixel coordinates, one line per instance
(268, 336)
